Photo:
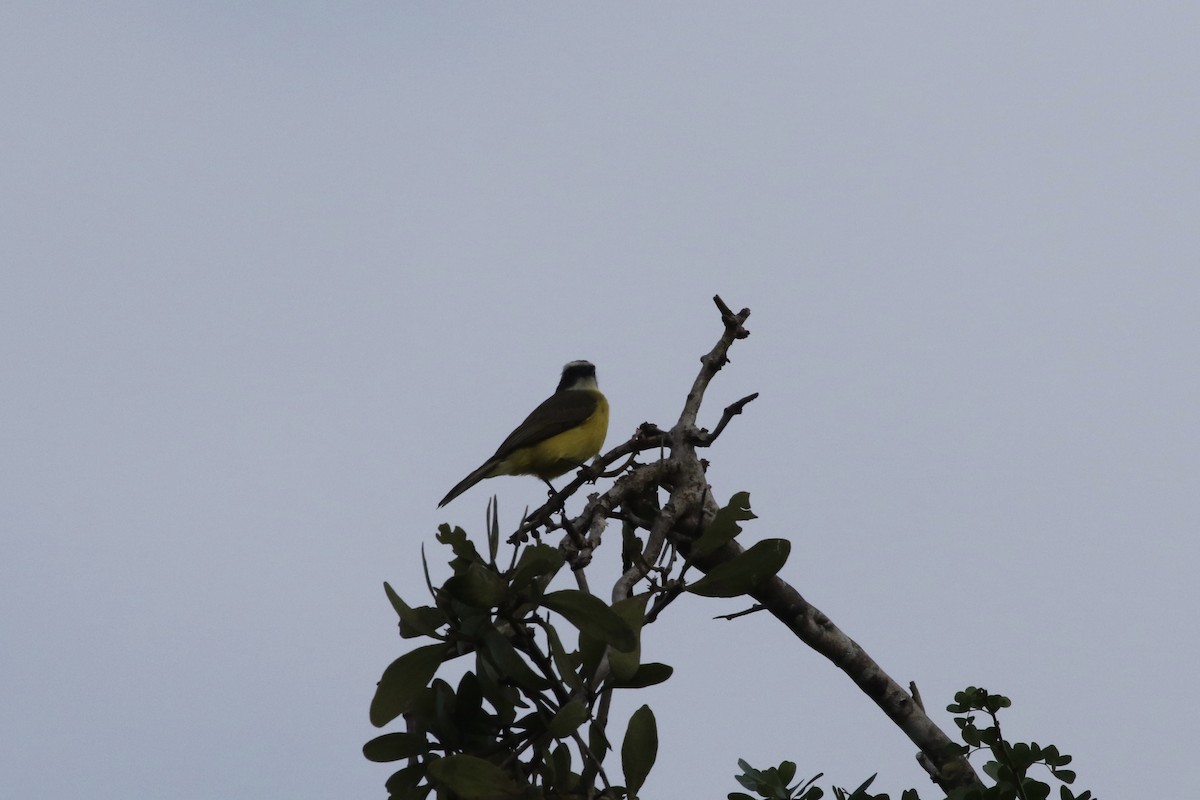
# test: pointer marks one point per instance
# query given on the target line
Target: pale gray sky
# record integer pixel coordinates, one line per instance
(260, 261)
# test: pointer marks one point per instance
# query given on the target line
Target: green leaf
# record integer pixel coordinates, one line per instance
(403, 784)
(420, 621)
(745, 572)
(633, 611)
(809, 792)
(861, 791)
(568, 719)
(1035, 790)
(1021, 755)
(598, 747)
(995, 702)
(560, 771)
(591, 652)
(639, 750)
(648, 674)
(468, 703)
(724, 526)
(562, 661)
(473, 778)
(403, 680)
(536, 561)
(478, 586)
(459, 543)
(508, 662)
(395, 746)
(503, 697)
(990, 736)
(442, 702)
(591, 615)
(493, 529)
(534, 724)
(750, 777)
(598, 740)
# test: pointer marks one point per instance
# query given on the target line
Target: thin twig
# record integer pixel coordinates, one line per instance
(732, 410)
(751, 610)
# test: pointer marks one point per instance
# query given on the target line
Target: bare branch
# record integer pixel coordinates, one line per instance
(751, 610)
(732, 410)
(810, 625)
(712, 362)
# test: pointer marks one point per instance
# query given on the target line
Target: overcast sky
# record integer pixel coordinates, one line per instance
(276, 275)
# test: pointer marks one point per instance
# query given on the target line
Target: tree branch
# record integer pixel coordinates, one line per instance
(814, 628)
(690, 507)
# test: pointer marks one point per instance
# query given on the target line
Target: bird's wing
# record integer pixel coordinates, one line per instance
(560, 412)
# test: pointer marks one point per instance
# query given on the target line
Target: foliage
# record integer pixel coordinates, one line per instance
(524, 712)
(1009, 766)
(529, 716)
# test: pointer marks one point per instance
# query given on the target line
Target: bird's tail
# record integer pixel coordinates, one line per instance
(475, 477)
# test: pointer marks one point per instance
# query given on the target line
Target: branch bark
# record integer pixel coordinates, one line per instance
(690, 507)
(942, 758)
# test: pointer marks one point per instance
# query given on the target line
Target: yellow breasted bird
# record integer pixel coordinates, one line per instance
(566, 430)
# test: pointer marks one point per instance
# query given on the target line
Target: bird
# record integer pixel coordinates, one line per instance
(562, 433)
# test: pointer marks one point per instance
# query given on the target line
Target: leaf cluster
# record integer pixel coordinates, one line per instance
(1009, 766)
(523, 720)
(1010, 762)
(529, 717)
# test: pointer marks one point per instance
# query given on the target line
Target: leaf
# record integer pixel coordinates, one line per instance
(395, 746)
(562, 661)
(473, 778)
(1035, 790)
(533, 724)
(403, 784)
(459, 543)
(560, 770)
(403, 680)
(746, 572)
(591, 652)
(648, 674)
(724, 526)
(478, 586)
(591, 615)
(568, 719)
(493, 529)
(598, 747)
(861, 791)
(639, 750)
(535, 562)
(633, 611)
(468, 703)
(503, 697)
(508, 662)
(750, 776)
(995, 702)
(420, 621)
(598, 740)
